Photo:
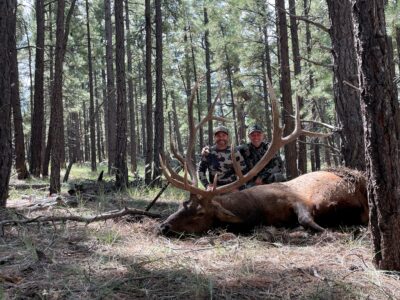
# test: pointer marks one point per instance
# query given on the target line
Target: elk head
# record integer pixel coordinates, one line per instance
(202, 210)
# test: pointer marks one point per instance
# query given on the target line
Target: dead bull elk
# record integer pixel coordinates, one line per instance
(323, 198)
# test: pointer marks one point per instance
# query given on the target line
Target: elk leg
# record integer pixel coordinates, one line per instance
(305, 219)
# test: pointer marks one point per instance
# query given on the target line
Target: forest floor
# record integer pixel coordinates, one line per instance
(125, 258)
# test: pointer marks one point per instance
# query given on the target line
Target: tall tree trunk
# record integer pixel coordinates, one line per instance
(47, 146)
(189, 106)
(268, 123)
(149, 98)
(56, 115)
(302, 151)
(20, 164)
(306, 10)
(266, 71)
(201, 132)
(176, 124)
(345, 72)
(137, 109)
(99, 133)
(105, 105)
(92, 124)
(111, 125)
(85, 129)
(290, 149)
(28, 44)
(159, 109)
(208, 74)
(7, 9)
(380, 113)
(143, 121)
(132, 107)
(229, 75)
(315, 141)
(120, 157)
(398, 45)
(73, 136)
(38, 101)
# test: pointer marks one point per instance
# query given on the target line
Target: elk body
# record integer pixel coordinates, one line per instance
(323, 198)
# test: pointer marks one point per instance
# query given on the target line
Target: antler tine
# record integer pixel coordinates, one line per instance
(171, 171)
(174, 151)
(214, 184)
(177, 182)
(210, 112)
(298, 130)
(185, 176)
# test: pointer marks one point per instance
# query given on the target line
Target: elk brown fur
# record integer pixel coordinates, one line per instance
(313, 200)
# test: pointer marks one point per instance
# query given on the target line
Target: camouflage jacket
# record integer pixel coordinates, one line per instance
(218, 162)
(272, 172)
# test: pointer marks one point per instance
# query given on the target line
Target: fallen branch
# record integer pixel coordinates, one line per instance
(102, 217)
(29, 186)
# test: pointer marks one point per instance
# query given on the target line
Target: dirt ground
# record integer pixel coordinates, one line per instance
(127, 259)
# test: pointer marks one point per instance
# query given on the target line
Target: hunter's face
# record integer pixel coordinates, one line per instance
(221, 140)
(256, 138)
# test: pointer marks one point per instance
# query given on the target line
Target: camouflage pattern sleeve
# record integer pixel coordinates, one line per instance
(240, 158)
(202, 170)
(244, 153)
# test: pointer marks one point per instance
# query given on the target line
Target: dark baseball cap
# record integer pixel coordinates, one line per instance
(221, 129)
(255, 128)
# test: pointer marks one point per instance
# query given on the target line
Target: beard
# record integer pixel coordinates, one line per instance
(221, 143)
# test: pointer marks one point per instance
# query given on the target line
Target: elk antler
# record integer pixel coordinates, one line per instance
(189, 167)
(276, 143)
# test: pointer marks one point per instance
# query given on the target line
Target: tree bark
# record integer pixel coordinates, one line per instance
(290, 149)
(19, 140)
(143, 121)
(73, 136)
(266, 71)
(38, 100)
(208, 74)
(85, 128)
(380, 113)
(398, 45)
(111, 114)
(132, 107)
(201, 131)
(120, 157)
(56, 115)
(7, 9)
(99, 131)
(229, 77)
(47, 146)
(302, 151)
(159, 107)
(92, 120)
(149, 98)
(346, 97)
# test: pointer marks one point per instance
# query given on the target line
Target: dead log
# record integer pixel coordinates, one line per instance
(25, 186)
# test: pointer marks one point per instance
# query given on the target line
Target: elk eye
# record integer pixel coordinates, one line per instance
(201, 213)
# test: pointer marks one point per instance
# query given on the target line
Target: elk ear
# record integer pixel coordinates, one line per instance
(225, 215)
